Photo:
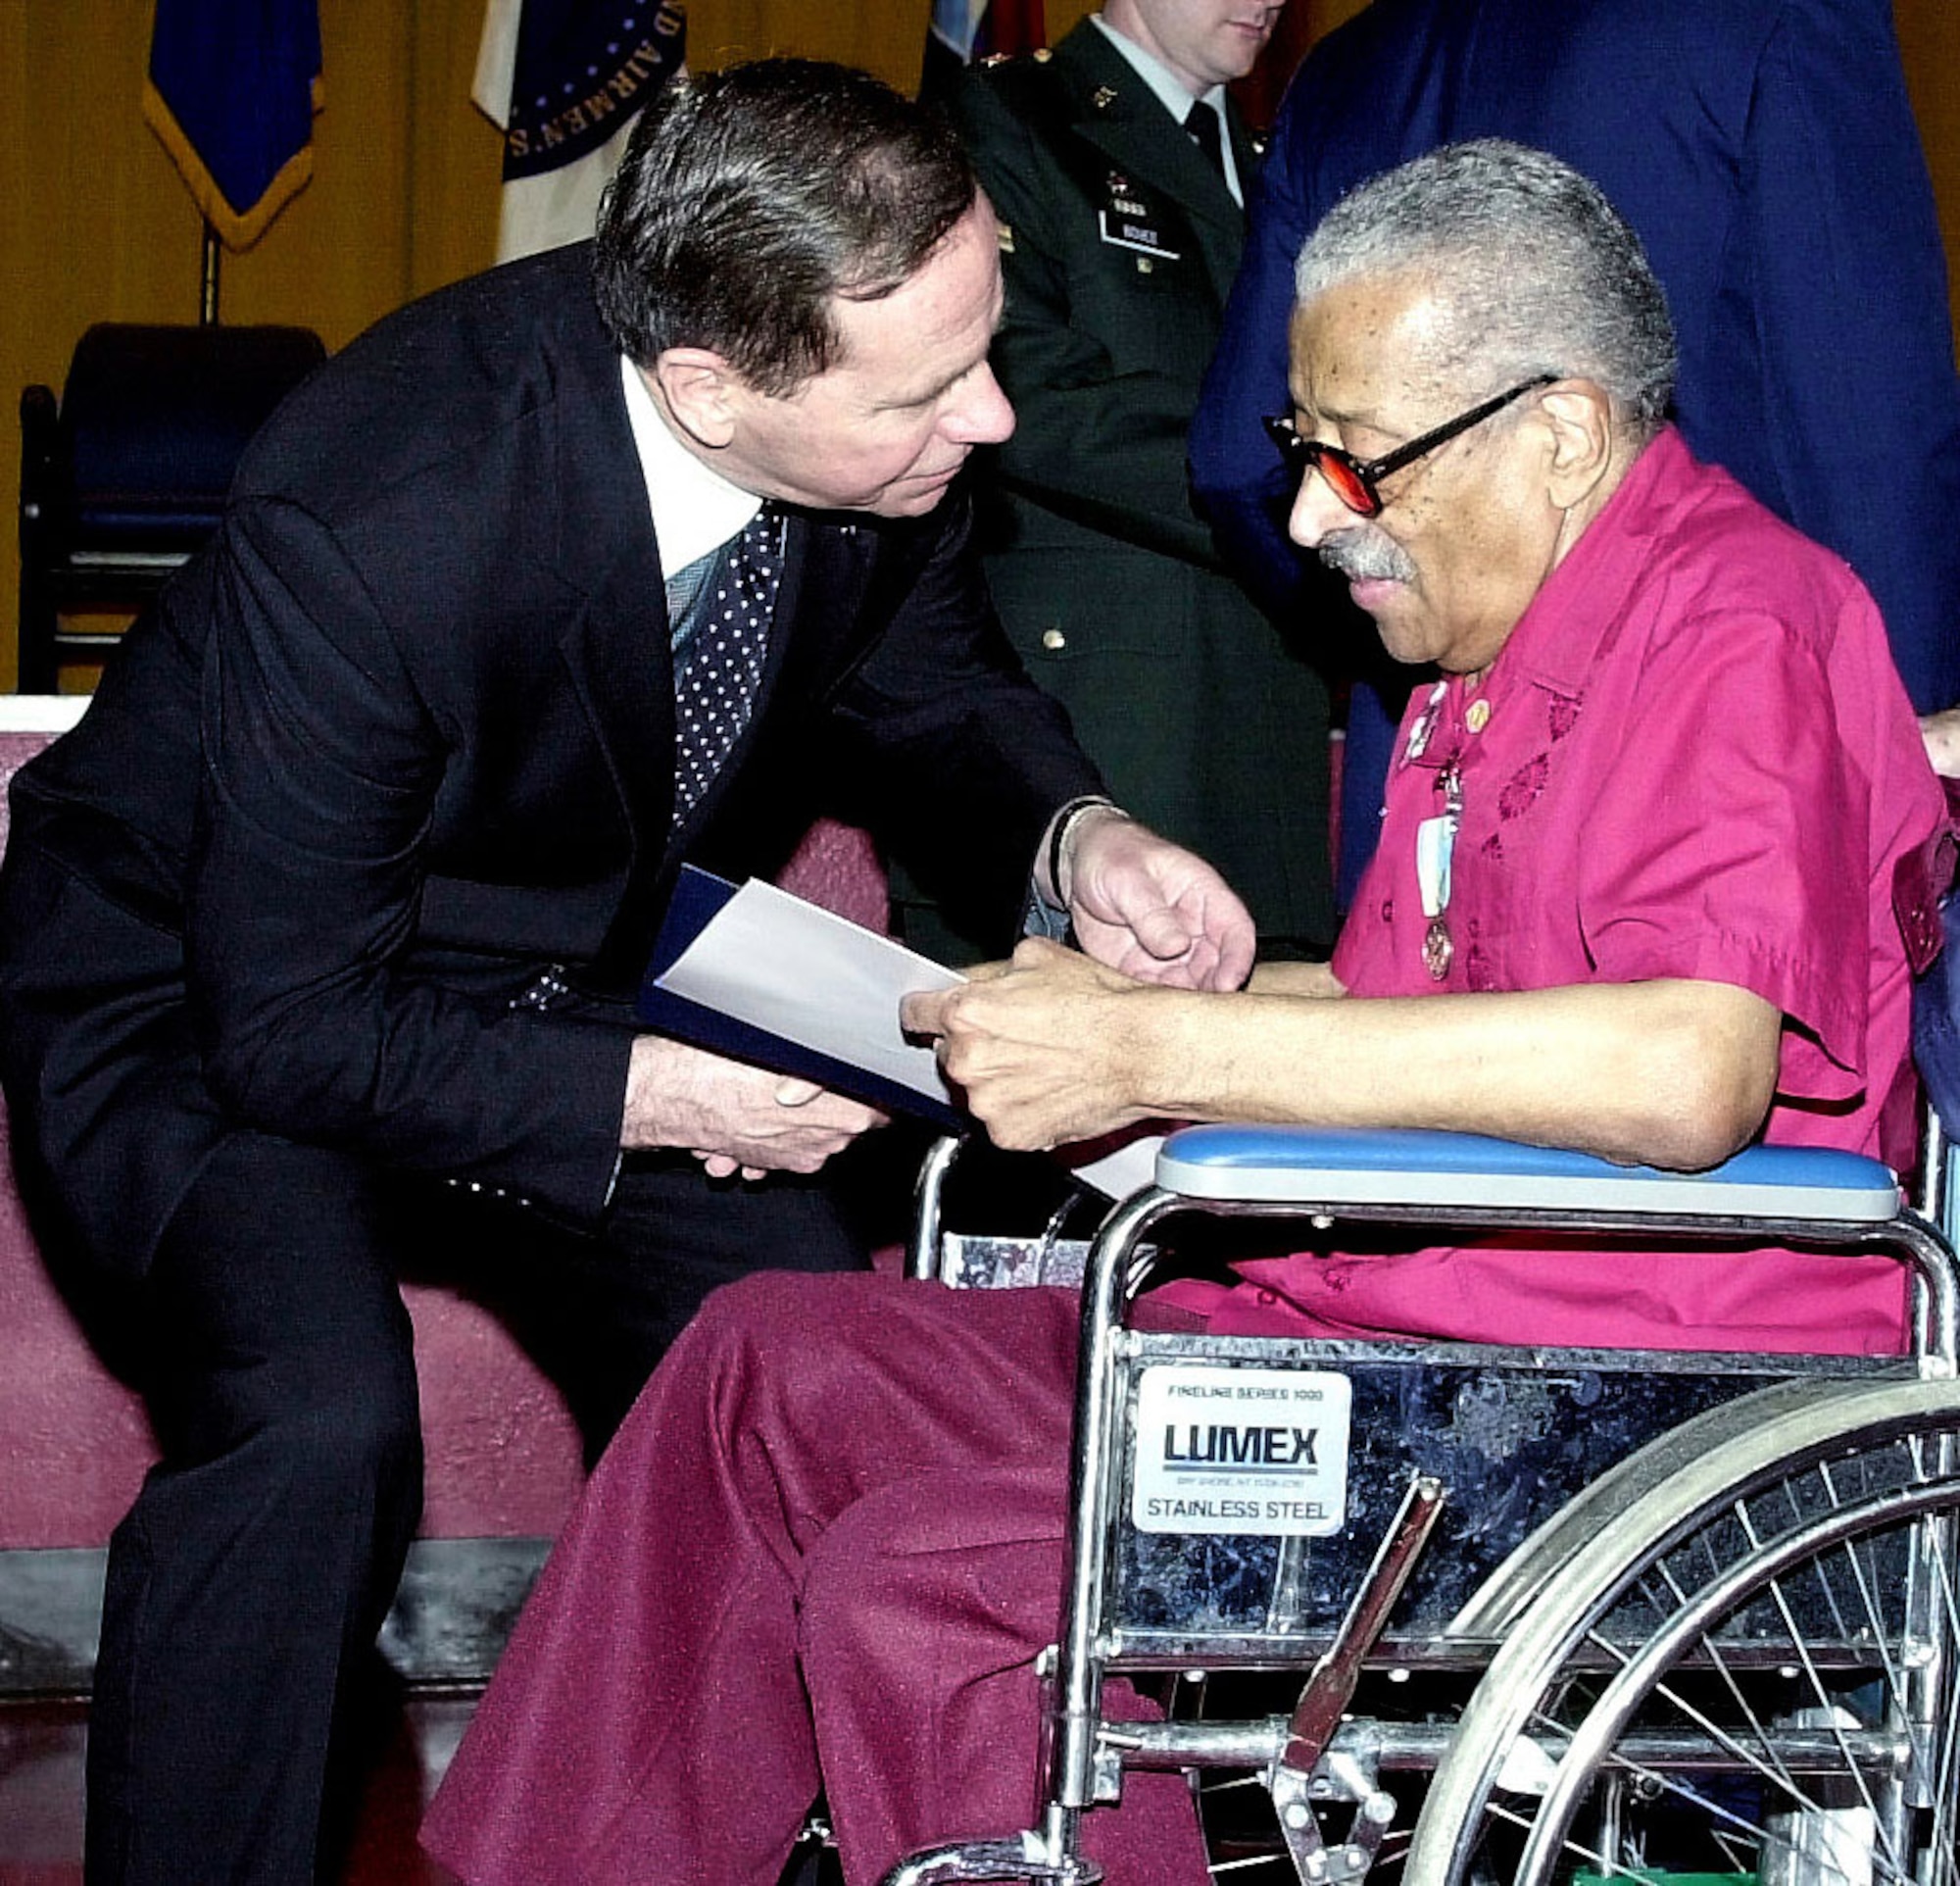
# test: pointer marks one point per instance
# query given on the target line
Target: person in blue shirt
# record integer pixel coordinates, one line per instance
(1766, 154)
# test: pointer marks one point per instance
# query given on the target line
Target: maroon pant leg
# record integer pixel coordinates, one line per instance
(649, 1721)
(923, 1610)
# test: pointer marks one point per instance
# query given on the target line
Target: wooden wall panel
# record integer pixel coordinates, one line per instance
(95, 226)
(1929, 41)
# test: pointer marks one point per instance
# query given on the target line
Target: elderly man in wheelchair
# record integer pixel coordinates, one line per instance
(1656, 869)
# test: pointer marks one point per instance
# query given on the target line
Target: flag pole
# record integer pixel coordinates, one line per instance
(206, 296)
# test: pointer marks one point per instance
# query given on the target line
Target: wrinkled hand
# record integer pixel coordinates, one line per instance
(733, 1116)
(1151, 909)
(1046, 1048)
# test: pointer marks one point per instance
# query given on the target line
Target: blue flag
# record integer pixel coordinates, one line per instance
(232, 90)
(583, 68)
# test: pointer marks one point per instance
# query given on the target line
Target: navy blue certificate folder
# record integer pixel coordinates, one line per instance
(697, 898)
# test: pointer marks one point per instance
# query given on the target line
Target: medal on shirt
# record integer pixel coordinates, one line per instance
(1435, 846)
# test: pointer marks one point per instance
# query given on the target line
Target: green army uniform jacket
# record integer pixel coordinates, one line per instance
(1118, 244)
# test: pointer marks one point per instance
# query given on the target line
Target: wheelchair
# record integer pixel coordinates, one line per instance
(1563, 1616)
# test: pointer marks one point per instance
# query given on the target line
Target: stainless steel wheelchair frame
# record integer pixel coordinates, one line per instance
(1856, 1451)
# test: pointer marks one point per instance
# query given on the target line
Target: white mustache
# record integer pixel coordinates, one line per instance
(1364, 554)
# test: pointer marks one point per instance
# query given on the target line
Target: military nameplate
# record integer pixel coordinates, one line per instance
(1133, 232)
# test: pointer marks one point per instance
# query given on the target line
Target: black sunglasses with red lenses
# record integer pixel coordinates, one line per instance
(1355, 481)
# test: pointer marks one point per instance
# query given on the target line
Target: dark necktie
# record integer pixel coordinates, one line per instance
(1202, 121)
(721, 639)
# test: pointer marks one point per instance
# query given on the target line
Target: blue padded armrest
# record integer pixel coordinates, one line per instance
(1337, 1165)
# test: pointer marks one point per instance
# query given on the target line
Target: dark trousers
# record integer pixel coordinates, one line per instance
(249, 1580)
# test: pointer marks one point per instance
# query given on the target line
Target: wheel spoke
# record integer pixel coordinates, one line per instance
(1769, 1689)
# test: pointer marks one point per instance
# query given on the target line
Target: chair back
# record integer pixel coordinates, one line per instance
(128, 477)
(154, 421)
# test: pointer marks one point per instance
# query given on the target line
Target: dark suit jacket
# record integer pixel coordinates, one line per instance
(1119, 246)
(1764, 152)
(405, 735)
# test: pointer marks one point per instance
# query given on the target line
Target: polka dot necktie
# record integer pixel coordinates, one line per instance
(721, 608)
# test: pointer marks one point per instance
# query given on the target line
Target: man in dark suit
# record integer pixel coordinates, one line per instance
(1765, 153)
(320, 935)
(1120, 168)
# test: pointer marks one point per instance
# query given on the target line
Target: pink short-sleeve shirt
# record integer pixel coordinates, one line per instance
(1693, 758)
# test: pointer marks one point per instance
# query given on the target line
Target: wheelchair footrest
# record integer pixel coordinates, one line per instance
(1014, 1859)
(1343, 1166)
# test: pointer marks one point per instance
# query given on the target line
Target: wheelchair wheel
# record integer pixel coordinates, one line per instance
(1747, 1675)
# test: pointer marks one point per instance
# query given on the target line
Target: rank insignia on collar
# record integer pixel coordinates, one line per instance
(1102, 97)
(1042, 55)
(1005, 231)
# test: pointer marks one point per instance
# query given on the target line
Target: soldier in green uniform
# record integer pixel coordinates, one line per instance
(1120, 232)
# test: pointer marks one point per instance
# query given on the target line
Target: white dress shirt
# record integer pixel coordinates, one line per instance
(695, 509)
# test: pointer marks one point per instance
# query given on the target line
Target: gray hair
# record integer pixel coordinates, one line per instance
(1534, 270)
